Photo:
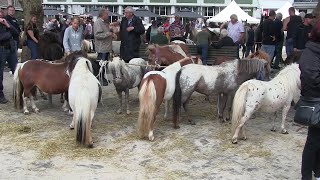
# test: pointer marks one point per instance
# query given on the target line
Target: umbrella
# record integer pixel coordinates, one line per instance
(145, 13)
(187, 13)
(53, 12)
(96, 13)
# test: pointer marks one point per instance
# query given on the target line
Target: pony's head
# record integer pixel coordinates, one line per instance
(116, 67)
(253, 67)
(262, 55)
(73, 59)
(165, 55)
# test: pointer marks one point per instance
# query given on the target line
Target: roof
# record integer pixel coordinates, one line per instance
(187, 13)
(96, 13)
(284, 10)
(272, 4)
(144, 13)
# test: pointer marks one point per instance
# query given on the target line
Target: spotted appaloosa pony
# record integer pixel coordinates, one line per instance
(84, 95)
(266, 96)
(156, 86)
(214, 80)
(47, 77)
(126, 76)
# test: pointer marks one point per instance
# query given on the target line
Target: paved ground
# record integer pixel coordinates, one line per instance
(41, 146)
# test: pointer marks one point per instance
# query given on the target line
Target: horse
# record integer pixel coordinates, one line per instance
(166, 55)
(126, 76)
(155, 87)
(85, 93)
(50, 46)
(221, 79)
(115, 28)
(262, 55)
(47, 77)
(293, 58)
(182, 44)
(267, 96)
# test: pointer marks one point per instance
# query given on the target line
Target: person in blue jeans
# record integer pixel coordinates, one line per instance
(268, 38)
(203, 41)
(250, 40)
(33, 37)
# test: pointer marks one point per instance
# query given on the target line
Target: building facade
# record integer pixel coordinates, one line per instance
(306, 6)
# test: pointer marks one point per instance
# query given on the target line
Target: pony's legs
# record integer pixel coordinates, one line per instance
(65, 106)
(25, 105)
(185, 107)
(246, 116)
(50, 98)
(166, 109)
(61, 98)
(228, 107)
(72, 122)
(273, 129)
(243, 134)
(33, 105)
(127, 101)
(284, 115)
(43, 95)
(119, 111)
(221, 106)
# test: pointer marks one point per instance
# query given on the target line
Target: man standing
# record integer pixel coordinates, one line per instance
(268, 35)
(176, 24)
(279, 41)
(302, 35)
(7, 47)
(235, 31)
(131, 28)
(290, 24)
(203, 41)
(13, 58)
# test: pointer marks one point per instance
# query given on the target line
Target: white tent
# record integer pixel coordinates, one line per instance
(233, 8)
(284, 10)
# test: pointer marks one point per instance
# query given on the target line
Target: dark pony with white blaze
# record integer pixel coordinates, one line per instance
(214, 80)
(156, 86)
(84, 95)
(126, 76)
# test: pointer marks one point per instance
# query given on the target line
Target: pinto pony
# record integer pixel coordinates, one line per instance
(265, 96)
(126, 76)
(156, 86)
(47, 77)
(85, 93)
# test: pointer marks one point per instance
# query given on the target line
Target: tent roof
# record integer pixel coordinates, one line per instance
(53, 12)
(284, 10)
(233, 8)
(187, 13)
(96, 13)
(141, 12)
(272, 4)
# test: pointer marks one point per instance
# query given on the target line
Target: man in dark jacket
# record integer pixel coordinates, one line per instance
(224, 41)
(131, 28)
(302, 35)
(7, 48)
(279, 41)
(268, 35)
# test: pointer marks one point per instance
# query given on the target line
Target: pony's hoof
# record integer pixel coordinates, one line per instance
(244, 138)
(284, 131)
(273, 129)
(65, 109)
(36, 110)
(234, 141)
(70, 112)
(44, 97)
(128, 112)
(119, 112)
(227, 119)
(26, 112)
(62, 100)
(71, 127)
(90, 146)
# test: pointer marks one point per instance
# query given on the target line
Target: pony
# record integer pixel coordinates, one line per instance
(208, 80)
(85, 93)
(47, 77)
(293, 58)
(126, 76)
(267, 96)
(50, 46)
(115, 28)
(262, 55)
(155, 87)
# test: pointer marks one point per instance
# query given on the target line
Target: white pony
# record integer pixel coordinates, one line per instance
(265, 96)
(84, 95)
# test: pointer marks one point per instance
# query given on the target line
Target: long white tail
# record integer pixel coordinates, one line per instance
(238, 106)
(147, 98)
(17, 88)
(83, 118)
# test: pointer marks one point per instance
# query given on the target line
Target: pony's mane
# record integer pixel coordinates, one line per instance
(290, 76)
(251, 65)
(260, 55)
(175, 48)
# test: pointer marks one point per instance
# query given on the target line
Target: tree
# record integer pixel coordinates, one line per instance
(31, 7)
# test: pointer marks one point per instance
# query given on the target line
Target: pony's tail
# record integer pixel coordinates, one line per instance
(83, 118)
(238, 106)
(17, 88)
(176, 103)
(147, 98)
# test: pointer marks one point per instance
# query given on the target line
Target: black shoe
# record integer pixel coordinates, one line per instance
(3, 100)
(104, 82)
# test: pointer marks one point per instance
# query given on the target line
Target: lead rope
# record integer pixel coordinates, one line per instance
(103, 66)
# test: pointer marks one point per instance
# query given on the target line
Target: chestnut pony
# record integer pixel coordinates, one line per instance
(49, 78)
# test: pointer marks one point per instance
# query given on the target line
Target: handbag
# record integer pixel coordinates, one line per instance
(308, 111)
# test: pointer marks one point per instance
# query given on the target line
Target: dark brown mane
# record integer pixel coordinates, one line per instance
(251, 65)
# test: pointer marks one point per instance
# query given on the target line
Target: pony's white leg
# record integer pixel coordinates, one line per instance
(127, 101)
(274, 122)
(284, 115)
(33, 105)
(151, 136)
(25, 105)
(73, 121)
(65, 106)
(120, 99)
(166, 109)
(246, 116)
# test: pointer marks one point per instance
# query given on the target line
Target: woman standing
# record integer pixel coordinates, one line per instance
(309, 64)
(73, 36)
(33, 37)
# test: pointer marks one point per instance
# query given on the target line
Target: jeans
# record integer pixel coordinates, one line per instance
(203, 50)
(33, 48)
(248, 49)
(289, 46)
(278, 53)
(269, 49)
(4, 55)
(103, 56)
(311, 155)
(13, 59)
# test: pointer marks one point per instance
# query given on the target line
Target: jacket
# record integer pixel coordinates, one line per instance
(225, 41)
(130, 41)
(13, 21)
(6, 36)
(300, 37)
(102, 36)
(72, 40)
(309, 64)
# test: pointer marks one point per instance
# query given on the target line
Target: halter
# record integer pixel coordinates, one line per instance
(103, 66)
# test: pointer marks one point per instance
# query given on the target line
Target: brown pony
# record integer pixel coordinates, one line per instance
(47, 77)
(262, 55)
(115, 28)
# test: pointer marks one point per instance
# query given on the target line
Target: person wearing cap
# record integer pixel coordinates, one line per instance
(176, 24)
(203, 40)
(159, 38)
(302, 35)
